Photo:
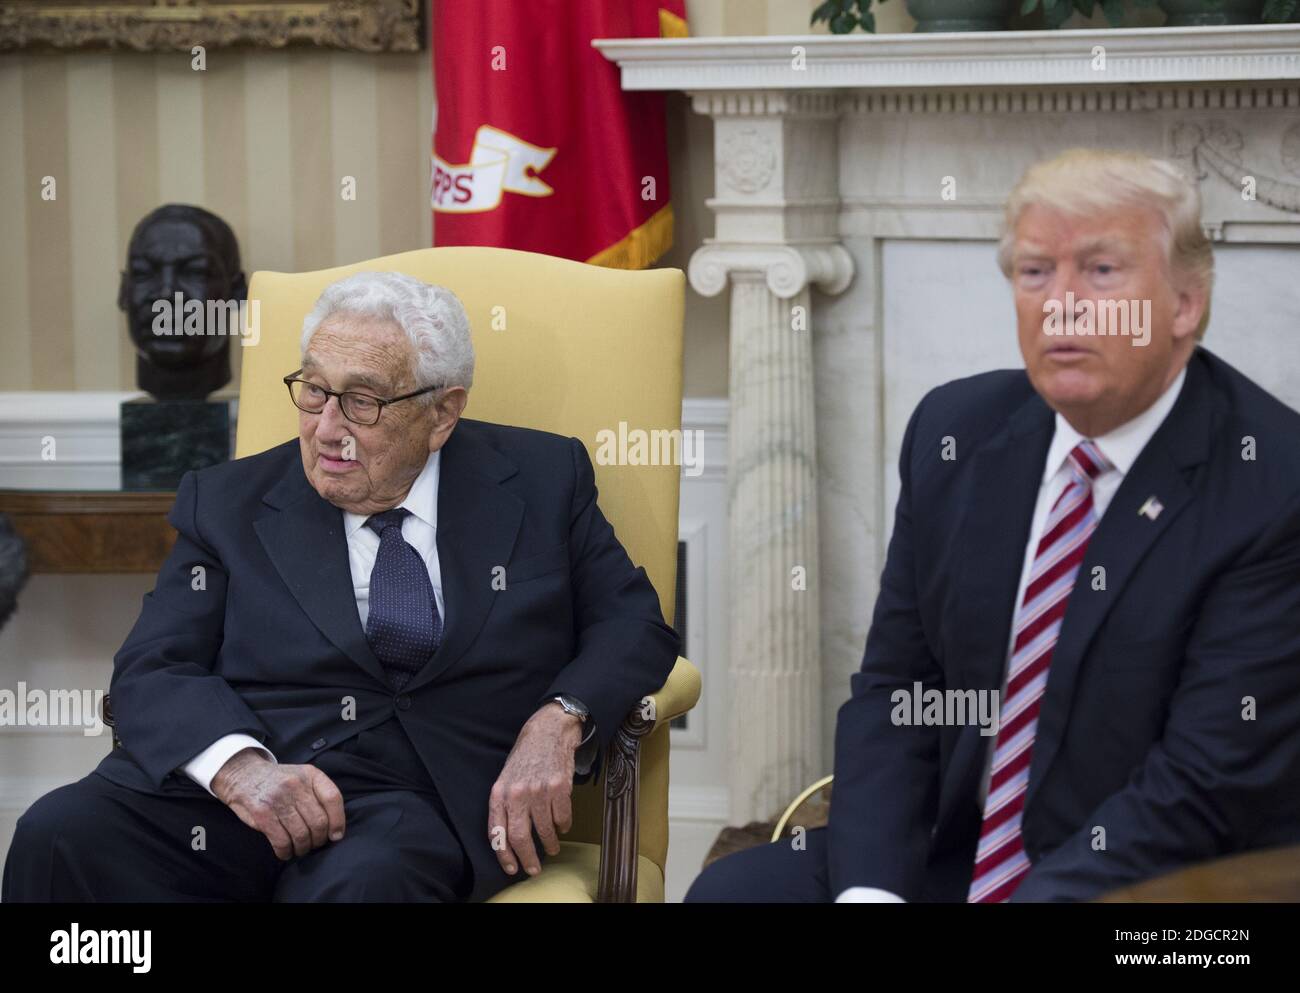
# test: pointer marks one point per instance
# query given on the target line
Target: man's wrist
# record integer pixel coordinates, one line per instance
(574, 713)
(570, 724)
(241, 759)
(204, 767)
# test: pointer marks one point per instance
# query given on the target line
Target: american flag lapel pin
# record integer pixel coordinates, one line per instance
(1151, 509)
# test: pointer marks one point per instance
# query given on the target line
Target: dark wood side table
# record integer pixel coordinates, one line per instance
(1269, 875)
(91, 531)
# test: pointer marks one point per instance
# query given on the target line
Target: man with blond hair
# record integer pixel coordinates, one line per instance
(1106, 544)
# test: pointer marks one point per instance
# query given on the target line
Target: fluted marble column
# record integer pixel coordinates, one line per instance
(776, 236)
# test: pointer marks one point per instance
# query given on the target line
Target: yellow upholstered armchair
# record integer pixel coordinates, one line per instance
(575, 349)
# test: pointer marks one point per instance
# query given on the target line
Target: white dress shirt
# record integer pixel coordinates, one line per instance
(420, 531)
(1122, 447)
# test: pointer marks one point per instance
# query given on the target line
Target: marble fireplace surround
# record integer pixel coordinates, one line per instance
(827, 148)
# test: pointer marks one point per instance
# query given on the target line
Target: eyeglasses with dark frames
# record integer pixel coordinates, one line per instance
(360, 408)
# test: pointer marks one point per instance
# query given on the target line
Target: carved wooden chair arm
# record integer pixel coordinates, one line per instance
(620, 833)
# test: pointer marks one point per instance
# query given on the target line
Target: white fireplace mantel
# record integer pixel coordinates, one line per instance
(1255, 52)
(854, 176)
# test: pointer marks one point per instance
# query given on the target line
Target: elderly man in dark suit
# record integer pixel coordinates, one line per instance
(376, 657)
(1109, 540)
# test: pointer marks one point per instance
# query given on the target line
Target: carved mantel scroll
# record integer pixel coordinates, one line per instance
(1217, 148)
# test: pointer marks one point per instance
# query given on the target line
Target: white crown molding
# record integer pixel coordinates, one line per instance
(766, 103)
(48, 408)
(83, 427)
(710, 416)
(1150, 56)
(1073, 100)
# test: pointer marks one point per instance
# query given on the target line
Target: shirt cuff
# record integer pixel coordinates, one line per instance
(868, 894)
(204, 766)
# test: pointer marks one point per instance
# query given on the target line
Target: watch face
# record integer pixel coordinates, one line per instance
(572, 706)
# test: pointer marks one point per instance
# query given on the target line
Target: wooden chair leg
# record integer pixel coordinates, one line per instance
(620, 834)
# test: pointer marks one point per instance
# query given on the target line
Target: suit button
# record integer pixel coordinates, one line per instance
(319, 743)
(403, 702)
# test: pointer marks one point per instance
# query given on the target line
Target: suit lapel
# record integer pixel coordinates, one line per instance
(478, 522)
(305, 542)
(1007, 473)
(1006, 478)
(1122, 538)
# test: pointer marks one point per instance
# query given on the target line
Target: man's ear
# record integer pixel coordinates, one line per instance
(122, 291)
(449, 407)
(1192, 301)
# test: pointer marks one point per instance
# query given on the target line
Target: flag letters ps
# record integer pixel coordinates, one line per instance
(498, 162)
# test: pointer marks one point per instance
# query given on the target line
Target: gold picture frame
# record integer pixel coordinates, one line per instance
(179, 25)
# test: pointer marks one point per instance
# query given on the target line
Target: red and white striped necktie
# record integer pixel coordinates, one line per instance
(1000, 860)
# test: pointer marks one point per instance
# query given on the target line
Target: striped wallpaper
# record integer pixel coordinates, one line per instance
(262, 138)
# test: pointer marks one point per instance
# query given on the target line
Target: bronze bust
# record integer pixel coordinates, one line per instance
(185, 250)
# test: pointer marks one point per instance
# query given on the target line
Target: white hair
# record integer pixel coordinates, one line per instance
(1085, 180)
(432, 317)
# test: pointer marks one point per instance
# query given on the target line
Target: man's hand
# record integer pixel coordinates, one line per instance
(534, 790)
(297, 807)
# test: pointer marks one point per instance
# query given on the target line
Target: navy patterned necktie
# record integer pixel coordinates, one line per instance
(404, 627)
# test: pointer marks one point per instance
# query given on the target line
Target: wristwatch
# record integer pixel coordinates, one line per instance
(572, 706)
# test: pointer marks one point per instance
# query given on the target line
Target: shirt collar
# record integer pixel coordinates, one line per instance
(1122, 445)
(421, 500)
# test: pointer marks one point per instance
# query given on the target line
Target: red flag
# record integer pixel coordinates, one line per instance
(536, 146)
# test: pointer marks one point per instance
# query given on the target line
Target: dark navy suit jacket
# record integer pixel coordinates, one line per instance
(1145, 730)
(270, 642)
